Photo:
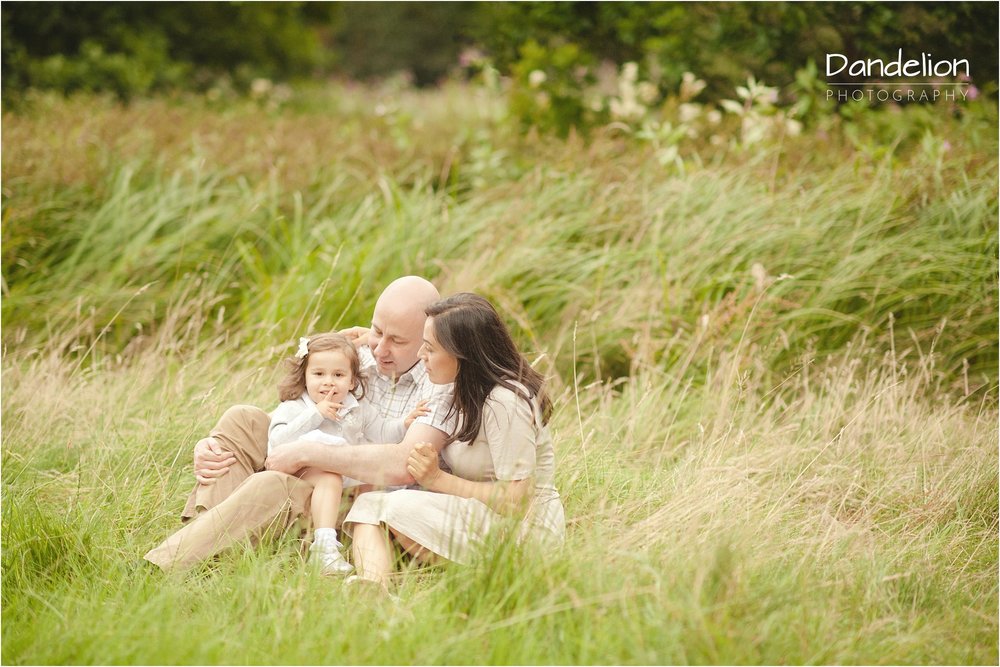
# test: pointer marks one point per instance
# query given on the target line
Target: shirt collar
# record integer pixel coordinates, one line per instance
(349, 404)
(416, 374)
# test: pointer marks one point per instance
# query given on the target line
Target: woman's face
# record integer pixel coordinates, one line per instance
(442, 367)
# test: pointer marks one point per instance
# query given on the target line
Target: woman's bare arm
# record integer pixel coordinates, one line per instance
(504, 497)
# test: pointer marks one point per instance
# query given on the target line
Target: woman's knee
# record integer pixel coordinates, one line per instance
(369, 502)
(420, 553)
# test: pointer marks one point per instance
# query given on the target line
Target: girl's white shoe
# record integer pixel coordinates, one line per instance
(325, 549)
(333, 563)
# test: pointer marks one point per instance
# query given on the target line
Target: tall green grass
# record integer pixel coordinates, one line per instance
(774, 376)
(239, 210)
(845, 519)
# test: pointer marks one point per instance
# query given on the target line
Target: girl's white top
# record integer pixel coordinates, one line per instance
(359, 423)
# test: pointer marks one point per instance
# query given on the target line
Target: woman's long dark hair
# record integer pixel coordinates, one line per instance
(469, 328)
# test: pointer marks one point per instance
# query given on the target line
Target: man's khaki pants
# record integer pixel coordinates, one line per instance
(242, 504)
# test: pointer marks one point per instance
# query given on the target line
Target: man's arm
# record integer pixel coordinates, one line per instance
(374, 464)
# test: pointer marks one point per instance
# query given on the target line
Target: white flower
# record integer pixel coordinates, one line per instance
(732, 106)
(647, 92)
(303, 348)
(536, 78)
(793, 127)
(626, 109)
(754, 129)
(688, 112)
(260, 87)
(690, 86)
(630, 72)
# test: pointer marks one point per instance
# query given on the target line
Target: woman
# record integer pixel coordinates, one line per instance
(498, 450)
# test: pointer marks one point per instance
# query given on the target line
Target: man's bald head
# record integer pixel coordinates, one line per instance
(398, 323)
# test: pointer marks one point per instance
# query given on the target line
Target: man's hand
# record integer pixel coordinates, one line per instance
(289, 458)
(211, 461)
(423, 464)
(357, 335)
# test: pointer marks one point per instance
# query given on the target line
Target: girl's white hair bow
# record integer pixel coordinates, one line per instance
(303, 348)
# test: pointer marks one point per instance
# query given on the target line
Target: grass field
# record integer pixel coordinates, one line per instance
(774, 370)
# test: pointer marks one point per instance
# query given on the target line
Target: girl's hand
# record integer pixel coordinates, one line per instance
(357, 335)
(423, 464)
(328, 408)
(418, 411)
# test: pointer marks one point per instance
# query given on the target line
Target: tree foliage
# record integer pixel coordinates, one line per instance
(136, 48)
(727, 42)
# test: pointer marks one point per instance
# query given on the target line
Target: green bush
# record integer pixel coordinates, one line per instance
(133, 49)
(549, 86)
(126, 73)
(726, 42)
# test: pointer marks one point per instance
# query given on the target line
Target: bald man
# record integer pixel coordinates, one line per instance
(236, 498)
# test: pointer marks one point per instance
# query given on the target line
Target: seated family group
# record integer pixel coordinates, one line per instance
(432, 380)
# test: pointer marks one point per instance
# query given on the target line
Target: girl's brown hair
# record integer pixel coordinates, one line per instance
(294, 382)
(469, 328)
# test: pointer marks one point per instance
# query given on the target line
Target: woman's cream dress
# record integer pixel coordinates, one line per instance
(512, 444)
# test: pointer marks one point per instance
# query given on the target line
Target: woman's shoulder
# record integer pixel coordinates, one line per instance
(508, 397)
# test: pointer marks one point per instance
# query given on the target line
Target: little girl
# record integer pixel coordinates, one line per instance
(320, 402)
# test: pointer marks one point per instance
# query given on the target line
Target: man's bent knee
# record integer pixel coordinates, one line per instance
(242, 430)
(248, 417)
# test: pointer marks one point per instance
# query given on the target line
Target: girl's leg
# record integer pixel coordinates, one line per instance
(325, 504)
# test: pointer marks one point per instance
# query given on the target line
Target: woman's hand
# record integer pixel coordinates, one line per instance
(423, 465)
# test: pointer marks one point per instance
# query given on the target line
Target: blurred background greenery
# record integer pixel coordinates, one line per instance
(137, 48)
(159, 109)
